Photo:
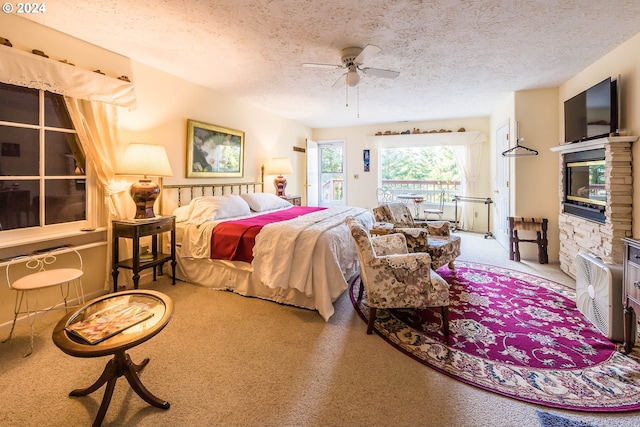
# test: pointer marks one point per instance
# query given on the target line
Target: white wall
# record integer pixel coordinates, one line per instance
(536, 178)
(165, 103)
(533, 180)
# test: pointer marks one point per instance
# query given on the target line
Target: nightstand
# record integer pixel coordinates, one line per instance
(134, 229)
(294, 200)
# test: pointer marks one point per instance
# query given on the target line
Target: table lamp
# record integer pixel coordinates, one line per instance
(146, 160)
(279, 166)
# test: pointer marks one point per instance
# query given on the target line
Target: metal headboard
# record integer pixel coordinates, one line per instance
(215, 188)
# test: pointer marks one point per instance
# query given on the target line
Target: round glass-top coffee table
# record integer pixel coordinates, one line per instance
(157, 303)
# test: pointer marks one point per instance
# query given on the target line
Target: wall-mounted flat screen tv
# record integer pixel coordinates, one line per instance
(593, 113)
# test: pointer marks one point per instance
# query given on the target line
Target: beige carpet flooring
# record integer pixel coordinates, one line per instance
(227, 360)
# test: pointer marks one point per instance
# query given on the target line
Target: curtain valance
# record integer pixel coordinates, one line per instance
(29, 70)
(428, 139)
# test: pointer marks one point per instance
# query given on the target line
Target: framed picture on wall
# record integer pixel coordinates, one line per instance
(214, 151)
(366, 158)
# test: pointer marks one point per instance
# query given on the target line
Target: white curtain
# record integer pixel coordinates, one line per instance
(97, 127)
(468, 157)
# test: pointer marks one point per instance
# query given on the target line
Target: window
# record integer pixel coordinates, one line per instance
(332, 173)
(424, 170)
(42, 164)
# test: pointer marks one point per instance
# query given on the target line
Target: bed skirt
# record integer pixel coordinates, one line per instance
(237, 277)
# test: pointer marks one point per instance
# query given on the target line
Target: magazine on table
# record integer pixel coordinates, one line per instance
(110, 321)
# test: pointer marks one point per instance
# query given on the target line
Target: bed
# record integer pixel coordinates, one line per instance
(234, 237)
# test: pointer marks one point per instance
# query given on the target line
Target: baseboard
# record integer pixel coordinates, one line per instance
(71, 303)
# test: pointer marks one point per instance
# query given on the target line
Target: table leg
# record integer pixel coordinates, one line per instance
(120, 365)
(114, 273)
(108, 373)
(455, 215)
(488, 233)
(131, 374)
(628, 329)
(115, 259)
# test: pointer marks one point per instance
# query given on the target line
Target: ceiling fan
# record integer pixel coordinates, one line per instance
(353, 59)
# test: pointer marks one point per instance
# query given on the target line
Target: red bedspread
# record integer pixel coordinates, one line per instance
(234, 240)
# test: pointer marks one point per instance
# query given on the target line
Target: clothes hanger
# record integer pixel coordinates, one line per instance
(525, 151)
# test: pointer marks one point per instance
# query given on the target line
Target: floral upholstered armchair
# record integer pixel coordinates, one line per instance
(394, 278)
(433, 237)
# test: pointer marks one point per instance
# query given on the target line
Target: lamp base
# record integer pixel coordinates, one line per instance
(144, 194)
(280, 183)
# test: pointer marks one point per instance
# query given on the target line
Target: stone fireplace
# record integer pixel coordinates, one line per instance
(602, 239)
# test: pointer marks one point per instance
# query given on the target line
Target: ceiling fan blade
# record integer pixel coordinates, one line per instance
(378, 72)
(368, 52)
(341, 80)
(313, 65)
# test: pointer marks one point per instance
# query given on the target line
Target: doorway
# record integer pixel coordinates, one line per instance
(326, 172)
(502, 196)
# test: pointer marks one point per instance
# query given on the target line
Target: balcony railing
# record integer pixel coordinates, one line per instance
(430, 189)
(332, 190)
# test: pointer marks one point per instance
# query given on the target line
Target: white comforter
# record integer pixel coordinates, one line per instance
(313, 254)
(285, 252)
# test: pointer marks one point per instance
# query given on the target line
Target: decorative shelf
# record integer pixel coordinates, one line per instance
(435, 138)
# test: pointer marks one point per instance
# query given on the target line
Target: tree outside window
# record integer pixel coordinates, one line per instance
(426, 170)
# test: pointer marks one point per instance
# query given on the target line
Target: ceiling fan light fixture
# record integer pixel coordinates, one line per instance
(353, 78)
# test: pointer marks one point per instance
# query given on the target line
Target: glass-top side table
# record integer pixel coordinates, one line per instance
(417, 199)
(121, 364)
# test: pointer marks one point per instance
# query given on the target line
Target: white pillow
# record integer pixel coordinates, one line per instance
(260, 202)
(209, 208)
(182, 213)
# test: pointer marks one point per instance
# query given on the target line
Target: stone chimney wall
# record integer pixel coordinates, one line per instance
(602, 240)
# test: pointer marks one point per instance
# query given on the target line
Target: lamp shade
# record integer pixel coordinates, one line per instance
(145, 159)
(279, 166)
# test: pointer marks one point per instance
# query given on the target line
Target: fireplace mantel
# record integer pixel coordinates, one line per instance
(592, 144)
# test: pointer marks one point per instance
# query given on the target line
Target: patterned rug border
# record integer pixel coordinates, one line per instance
(622, 368)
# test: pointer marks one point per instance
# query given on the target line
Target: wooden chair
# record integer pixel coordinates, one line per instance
(539, 225)
(27, 275)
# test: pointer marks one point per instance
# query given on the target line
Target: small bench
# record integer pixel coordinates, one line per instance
(539, 225)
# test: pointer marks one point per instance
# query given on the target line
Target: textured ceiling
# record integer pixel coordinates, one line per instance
(456, 58)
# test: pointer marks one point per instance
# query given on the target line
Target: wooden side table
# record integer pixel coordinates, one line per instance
(121, 364)
(294, 200)
(631, 290)
(135, 229)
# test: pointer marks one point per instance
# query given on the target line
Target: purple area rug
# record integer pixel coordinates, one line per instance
(517, 335)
